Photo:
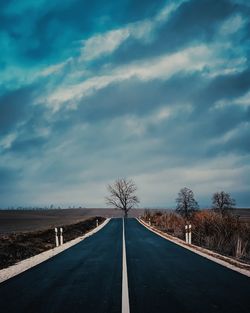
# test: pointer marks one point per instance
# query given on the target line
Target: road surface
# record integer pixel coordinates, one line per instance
(85, 278)
(162, 277)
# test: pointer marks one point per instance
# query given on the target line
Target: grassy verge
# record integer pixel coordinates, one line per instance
(225, 235)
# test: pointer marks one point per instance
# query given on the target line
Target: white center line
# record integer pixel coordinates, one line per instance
(125, 296)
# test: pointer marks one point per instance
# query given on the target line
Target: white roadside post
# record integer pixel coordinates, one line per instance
(56, 237)
(149, 222)
(97, 223)
(61, 236)
(186, 233)
(189, 234)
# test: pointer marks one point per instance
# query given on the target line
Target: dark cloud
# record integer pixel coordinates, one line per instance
(20, 114)
(14, 107)
(193, 22)
(28, 146)
(223, 87)
(60, 149)
(135, 97)
(51, 33)
(237, 143)
(130, 97)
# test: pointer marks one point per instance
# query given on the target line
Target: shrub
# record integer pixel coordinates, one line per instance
(223, 233)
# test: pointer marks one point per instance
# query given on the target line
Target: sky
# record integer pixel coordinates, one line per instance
(154, 91)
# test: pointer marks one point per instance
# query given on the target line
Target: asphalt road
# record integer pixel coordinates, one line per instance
(85, 278)
(164, 277)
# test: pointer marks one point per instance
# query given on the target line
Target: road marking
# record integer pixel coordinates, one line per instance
(125, 296)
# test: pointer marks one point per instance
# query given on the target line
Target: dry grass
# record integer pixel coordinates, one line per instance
(224, 234)
(20, 246)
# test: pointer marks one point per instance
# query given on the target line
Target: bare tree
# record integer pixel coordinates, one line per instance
(186, 204)
(122, 195)
(222, 202)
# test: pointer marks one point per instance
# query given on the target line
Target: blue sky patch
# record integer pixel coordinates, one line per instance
(157, 91)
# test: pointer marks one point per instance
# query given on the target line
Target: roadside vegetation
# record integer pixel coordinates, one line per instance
(16, 247)
(217, 229)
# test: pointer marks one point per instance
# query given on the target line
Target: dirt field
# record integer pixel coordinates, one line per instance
(35, 220)
(243, 214)
(15, 247)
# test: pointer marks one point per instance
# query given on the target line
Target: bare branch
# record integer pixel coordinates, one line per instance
(186, 203)
(222, 202)
(122, 195)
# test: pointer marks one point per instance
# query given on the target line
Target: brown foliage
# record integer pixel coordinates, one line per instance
(223, 233)
(169, 222)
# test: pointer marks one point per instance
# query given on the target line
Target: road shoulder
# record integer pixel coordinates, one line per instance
(230, 263)
(26, 264)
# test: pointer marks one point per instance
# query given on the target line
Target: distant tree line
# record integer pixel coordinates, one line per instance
(222, 202)
(40, 208)
(122, 195)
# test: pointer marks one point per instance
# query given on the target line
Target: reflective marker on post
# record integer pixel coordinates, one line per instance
(56, 237)
(186, 233)
(189, 235)
(61, 236)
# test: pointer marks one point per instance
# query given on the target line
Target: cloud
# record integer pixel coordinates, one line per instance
(189, 23)
(7, 141)
(12, 109)
(232, 25)
(100, 45)
(40, 37)
(106, 43)
(156, 91)
(200, 178)
(190, 59)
